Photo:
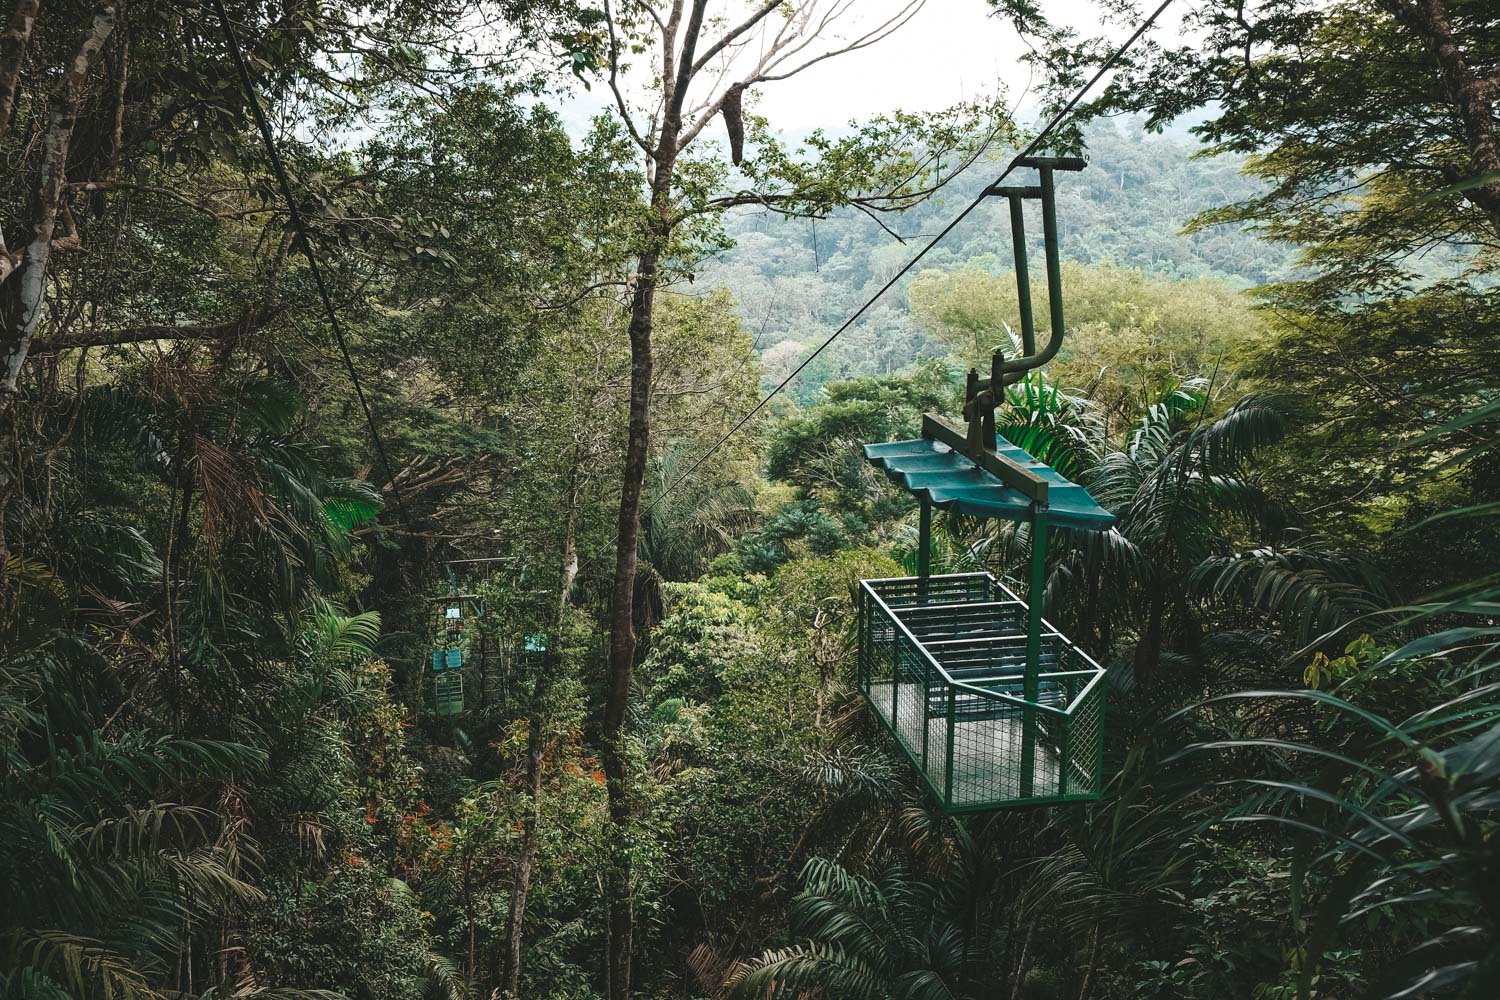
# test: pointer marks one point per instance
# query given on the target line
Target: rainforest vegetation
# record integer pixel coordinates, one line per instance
(320, 317)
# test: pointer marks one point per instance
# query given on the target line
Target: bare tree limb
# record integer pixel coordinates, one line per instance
(94, 187)
(878, 34)
(575, 299)
(706, 112)
(873, 214)
(744, 26)
(614, 82)
(12, 52)
(23, 290)
(247, 322)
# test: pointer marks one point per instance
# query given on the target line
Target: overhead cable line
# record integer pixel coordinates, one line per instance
(299, 225)
(1030, 148)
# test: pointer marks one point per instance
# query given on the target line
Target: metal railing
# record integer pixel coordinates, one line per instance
(943, 662)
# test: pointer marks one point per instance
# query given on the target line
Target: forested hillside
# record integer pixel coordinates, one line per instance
(411, 588)
(797, 279)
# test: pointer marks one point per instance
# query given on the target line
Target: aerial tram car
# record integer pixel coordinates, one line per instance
(456, 628)
(992, 704)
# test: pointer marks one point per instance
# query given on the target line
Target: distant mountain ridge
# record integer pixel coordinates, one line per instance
(795, 280)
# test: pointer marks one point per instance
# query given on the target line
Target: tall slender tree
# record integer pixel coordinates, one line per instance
(705, 66)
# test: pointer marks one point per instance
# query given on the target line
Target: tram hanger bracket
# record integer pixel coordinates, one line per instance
(1008, 471)
(1052, 162)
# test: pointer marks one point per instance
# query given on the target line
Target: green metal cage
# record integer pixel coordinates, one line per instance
(992, 704)
(942, 661)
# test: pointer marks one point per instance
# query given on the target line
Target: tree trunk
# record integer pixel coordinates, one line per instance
(1091, 964)
(23, 282)
(1473, 98)
(678, 73)
(530, 837)
(468, 886)
(515, 918)
(1018, 984)
(12, 52)
(622, 638)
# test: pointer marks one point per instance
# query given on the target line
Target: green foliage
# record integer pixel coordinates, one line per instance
(800, 524)
(889, 163)
(218, 772)
(797, 279)
(819, 451)
(102, 869)
(1360, 165)
(355, 932)
(1130, 337)
(871, 939)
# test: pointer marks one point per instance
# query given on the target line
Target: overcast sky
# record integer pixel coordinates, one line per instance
(952, 50)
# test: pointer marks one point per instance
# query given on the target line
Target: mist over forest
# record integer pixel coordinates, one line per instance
(795, 280)
(452, 549)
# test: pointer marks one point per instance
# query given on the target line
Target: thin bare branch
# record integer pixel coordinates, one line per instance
(878, 34)
(710, 109)
(12, 52)
(744, 26)
(247, 322)
(94, 187)
(575, 299)
(614, 82)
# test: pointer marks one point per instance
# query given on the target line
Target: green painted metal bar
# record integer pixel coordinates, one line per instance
(1014, 368)
(895, 676)
(1064, 756)
(1034, 645)
(988, 431)
(948, 776)
(926, 710)
(924, 545)
(1070, 163)
(1097, 786)
(1023, 277)
(864, 642)
(1054, 262)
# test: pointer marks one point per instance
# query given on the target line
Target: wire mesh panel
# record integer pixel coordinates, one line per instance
(909, 711)
(943, 663)
(876, 649)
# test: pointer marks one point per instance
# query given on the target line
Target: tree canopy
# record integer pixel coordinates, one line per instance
(486, 631)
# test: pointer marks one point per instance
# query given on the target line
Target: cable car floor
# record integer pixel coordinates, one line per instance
(979, 745)
(943, 663)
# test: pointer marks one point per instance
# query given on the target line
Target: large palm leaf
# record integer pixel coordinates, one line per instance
(1391, 813)
(682, 530)
(865, 939)
(104, 872)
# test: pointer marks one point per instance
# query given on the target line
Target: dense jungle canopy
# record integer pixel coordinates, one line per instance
(433, 510)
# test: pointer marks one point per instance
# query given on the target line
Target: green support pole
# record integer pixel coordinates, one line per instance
(1023, 277)
(1054, 261)
(924, 545)
(948, 777)
(1064, 755)
(864, 642)
(895, 677)
(926, 713)
(1033, 646)
(1098, 783)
